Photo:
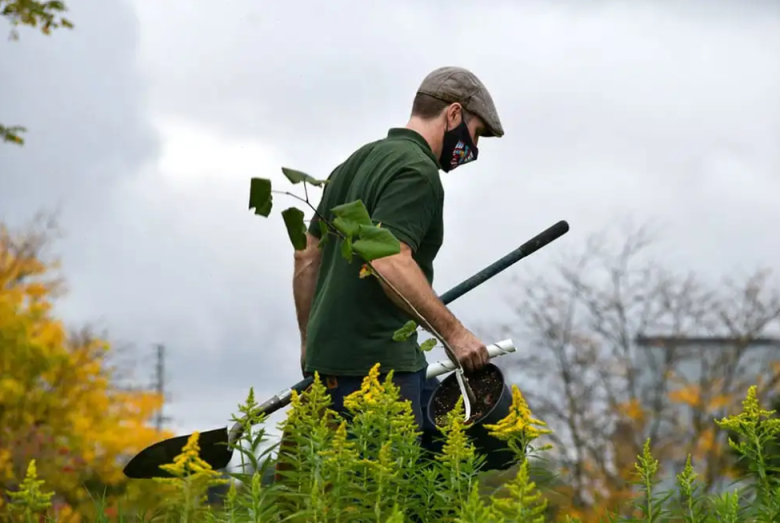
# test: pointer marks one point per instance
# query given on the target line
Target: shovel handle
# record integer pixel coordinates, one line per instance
(531, 246)
(282, 399)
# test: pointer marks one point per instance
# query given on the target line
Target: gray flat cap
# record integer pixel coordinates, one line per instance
(456, 84)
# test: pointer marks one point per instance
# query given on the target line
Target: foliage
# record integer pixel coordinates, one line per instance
(12, 134)
(30, 499)
(36, 14)
(351, 223)
(363, 465)
(367, 466)
(58, 401)
(190, 478)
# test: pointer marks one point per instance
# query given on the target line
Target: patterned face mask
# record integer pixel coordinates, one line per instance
(457, 148)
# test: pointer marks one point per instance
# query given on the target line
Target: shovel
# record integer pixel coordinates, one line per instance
(215, 445)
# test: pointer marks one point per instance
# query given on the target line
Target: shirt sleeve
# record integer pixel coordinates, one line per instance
(322, 210)
(314, 225)
(406, 206)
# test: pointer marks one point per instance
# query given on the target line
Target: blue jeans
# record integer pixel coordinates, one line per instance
(413, 386)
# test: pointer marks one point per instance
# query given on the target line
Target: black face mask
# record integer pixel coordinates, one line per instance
(457, 148)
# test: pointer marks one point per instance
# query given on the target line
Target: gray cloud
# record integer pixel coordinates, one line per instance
(80, 96)
(610, 109)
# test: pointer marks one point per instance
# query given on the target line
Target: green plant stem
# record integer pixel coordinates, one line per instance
(761, 466)
(691, 512)
(649, 498)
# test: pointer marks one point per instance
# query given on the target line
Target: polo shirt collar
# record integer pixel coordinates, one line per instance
(402, 133)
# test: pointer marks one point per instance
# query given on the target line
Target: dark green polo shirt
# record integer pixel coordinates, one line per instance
(352, 320)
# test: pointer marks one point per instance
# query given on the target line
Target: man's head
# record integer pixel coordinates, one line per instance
(452, 110)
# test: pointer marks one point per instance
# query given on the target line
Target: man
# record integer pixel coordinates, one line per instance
(347, 323)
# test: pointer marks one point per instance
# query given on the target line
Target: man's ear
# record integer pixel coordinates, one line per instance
(454, 114)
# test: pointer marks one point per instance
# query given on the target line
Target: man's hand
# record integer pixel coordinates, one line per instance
(469, 350)
(303, 359)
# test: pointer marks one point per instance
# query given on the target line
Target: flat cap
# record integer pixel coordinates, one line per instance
(459, 85)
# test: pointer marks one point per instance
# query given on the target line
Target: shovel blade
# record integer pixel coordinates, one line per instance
(213, 445)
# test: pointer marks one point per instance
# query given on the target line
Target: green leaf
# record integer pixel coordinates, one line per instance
(375, 243)
(12, 134)
(350, 216)
(296, 229)
(260, 198)
(409, 328)
(324, 233)
(299, 176)
(428, 344)
(346, 249)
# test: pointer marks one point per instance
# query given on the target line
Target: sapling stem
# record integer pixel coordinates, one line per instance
(425, 323)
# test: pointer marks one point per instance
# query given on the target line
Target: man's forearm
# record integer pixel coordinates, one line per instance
(405, 275)
(307, 266)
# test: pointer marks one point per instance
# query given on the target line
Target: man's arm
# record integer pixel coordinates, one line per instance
(406, 207)
(307, 266)
(403, 273)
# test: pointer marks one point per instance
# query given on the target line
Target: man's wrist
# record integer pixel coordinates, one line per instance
(450, 327)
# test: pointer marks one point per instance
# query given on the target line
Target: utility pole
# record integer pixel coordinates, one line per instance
(159, 385)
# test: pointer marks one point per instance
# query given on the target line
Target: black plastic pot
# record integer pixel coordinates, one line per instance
(494, 398)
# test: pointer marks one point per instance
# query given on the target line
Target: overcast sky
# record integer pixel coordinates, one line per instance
(147, 121)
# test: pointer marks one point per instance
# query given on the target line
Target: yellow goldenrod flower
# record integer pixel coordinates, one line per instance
(188, 464)
(646, 465)
(457, 446)
(30, 498)
(341, 451)
(519, 422)
(686, 480)
(750, 417)
(369, 391)
(525, 501)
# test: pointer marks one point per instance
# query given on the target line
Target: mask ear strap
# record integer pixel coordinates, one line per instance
(447, 121)
(463, 118)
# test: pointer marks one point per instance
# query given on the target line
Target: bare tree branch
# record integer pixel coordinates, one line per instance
(593, 372)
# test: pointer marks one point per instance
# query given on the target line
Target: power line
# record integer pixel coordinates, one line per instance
(159, 385)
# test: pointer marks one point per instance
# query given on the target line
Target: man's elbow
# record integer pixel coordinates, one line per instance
(394, 268)
(395, 262)
(310, 255)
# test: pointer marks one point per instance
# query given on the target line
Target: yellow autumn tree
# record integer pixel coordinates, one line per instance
(58, 402)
